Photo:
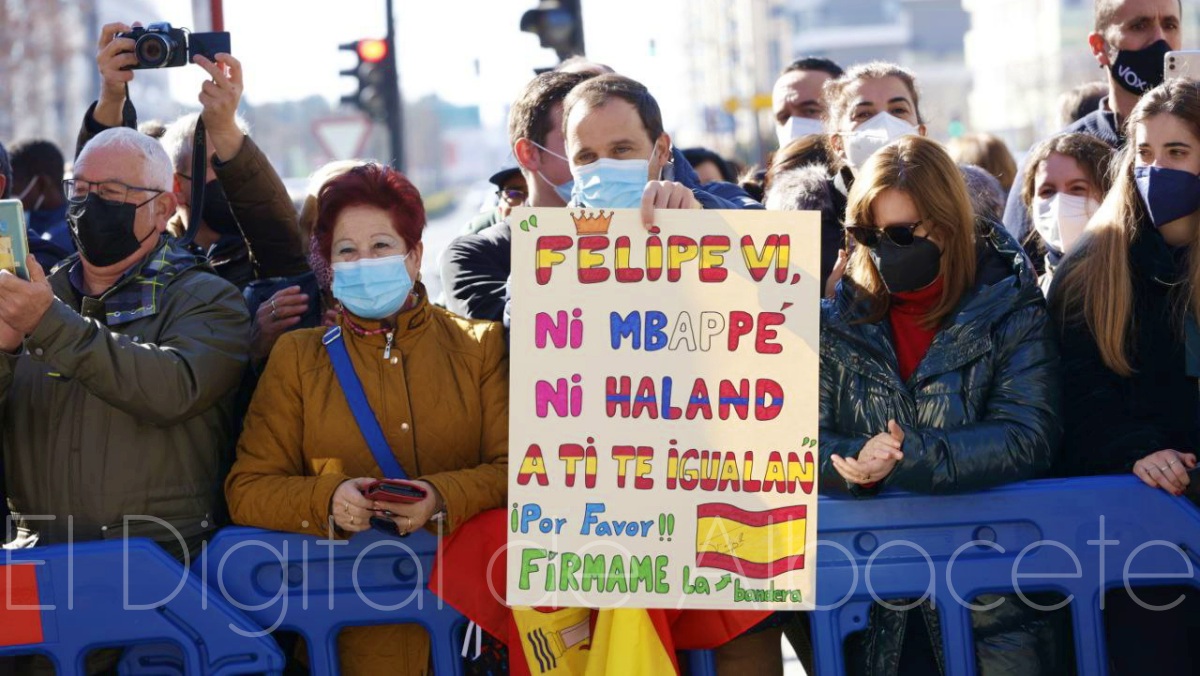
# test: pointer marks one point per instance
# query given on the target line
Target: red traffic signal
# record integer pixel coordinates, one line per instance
(372, 51)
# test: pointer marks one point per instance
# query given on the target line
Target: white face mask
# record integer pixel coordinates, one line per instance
(872, 135)
(1061, 219)
(797, 127)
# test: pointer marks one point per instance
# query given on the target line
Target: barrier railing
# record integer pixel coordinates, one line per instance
(1077, 537)
(123, 593)
(317, 587)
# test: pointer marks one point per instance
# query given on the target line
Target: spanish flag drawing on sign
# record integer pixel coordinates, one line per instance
(757, 545)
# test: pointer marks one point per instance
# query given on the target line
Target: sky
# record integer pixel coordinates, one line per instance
(289, 48)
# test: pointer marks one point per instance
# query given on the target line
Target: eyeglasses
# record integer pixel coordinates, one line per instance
(78, 189)
(513, 196)
(901, 234)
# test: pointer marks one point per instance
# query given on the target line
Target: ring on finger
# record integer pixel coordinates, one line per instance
(1173, 462)
(352, 519)
(273, 315)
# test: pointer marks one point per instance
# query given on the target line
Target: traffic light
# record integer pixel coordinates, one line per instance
(376, 75)
(559, 26)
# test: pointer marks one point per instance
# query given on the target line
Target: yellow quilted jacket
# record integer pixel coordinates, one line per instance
(441, 398)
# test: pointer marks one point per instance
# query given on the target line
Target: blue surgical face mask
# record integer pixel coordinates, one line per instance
(372, 288)
(1169, 194)
(563, 190)
(611, 184)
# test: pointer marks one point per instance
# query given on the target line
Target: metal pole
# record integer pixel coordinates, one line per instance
(394, 99)
(218, 15)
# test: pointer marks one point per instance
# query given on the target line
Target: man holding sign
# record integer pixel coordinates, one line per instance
(618, 150)
(663, 417)
(656, 468)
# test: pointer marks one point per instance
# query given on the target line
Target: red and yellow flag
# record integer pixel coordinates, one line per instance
(470, 576)
(758, 545)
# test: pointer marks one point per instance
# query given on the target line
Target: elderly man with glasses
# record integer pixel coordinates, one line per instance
(118, 372)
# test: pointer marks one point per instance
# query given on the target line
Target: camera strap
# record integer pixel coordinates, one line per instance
(199, 171)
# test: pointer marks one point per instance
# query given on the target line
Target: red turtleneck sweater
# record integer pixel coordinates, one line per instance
(910, 339)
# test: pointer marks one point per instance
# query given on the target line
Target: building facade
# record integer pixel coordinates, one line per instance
(48, 67)
(738, 49)
(1024, 54)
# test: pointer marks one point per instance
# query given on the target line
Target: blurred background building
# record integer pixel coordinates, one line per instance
(1019, 74)
(739, 47)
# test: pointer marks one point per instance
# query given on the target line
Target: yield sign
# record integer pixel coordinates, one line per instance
(342, 138)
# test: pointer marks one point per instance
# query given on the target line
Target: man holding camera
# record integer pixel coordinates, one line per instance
(117, 373)
(247, 226)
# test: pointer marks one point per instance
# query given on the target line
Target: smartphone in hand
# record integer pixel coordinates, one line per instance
(1184, 63)
(14, 242)
(394, 490)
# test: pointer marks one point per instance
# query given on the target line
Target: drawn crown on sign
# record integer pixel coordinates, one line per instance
(590, 223)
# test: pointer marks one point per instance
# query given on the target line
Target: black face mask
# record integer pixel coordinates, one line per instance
(216, 213)
(907, 268)
(1139, 72)
(103, 230)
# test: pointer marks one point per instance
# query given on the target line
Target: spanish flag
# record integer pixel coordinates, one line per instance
(470, 576)
(758, 545)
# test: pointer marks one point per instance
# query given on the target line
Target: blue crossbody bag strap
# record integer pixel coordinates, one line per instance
(368, 424)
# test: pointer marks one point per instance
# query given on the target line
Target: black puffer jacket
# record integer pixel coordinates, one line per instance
(982, 409)
(1115, 421)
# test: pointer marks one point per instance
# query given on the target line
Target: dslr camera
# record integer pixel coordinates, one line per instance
(161, 46)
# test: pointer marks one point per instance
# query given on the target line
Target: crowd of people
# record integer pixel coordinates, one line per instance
(239, 361)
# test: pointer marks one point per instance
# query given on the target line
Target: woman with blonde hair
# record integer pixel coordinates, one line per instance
(1125, 301)
(939, 374)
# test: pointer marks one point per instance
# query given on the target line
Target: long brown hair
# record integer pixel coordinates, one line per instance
(921, 169)
(1098, 285)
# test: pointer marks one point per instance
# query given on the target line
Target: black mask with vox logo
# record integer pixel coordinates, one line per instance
(1140, 71)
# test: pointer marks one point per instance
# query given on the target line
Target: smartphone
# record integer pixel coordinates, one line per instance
(1184, 63)
(14, 240)
(208, 45)
(394, 490)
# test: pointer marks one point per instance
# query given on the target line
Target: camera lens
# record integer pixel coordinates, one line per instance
(154, 51)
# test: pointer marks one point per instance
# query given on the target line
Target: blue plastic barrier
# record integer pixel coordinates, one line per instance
(1076, 514)
(307, 585)
(94, 607)
(1076, 537)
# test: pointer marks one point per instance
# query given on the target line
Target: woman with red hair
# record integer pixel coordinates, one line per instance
(430, 391)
